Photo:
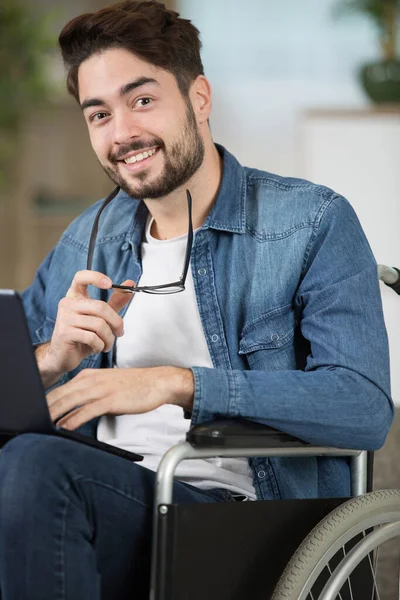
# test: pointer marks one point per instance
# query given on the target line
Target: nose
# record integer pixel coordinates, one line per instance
(126, 126)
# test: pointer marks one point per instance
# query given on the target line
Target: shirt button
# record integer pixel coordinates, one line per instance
(261, 474)
(274, 337)
(214, 338)
(125, 246)
(202, 271)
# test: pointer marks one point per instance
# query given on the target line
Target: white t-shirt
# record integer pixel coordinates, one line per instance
(166, 330)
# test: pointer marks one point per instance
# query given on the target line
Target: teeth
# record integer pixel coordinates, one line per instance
(138, 157)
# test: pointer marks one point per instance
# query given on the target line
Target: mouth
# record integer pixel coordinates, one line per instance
(139, 159)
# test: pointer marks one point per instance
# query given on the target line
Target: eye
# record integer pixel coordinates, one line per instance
(99, 116)
(144, 101)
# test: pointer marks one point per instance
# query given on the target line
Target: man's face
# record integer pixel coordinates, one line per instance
(142, 130)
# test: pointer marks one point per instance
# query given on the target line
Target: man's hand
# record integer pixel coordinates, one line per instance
(96, 392)
(83, 326)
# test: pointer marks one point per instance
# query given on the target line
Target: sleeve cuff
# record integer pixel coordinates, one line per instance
(216, 394)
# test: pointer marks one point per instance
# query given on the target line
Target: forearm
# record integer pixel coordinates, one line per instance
(49, 375)
(180, 387)
(334, 407)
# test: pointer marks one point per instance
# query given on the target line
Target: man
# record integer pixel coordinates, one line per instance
(280, 321)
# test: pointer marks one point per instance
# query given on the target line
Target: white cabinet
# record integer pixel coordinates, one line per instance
(357, 153)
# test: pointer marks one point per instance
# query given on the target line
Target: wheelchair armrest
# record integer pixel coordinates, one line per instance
(240, 433)
(242, 438)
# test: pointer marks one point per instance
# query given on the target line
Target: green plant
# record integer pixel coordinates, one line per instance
(25, 42)
(384, 13)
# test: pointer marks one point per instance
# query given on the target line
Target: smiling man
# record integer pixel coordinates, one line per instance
(278, 319)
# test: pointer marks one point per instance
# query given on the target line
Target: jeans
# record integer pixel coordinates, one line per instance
(75, 522)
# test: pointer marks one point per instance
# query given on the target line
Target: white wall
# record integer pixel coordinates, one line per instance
(269, 59)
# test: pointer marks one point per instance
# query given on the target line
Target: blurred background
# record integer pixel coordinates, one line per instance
(306, 88)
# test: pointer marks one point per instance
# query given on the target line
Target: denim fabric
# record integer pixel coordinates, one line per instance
(289, 300)
(76, 522)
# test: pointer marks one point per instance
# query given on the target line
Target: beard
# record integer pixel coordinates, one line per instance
(181, 161)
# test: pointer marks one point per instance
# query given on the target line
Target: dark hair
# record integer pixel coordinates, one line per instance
(146, 28)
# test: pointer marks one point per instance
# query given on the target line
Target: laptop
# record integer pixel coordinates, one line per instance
(23, 404)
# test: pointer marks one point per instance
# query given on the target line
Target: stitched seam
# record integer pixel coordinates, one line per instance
(279, 311)
(198, 396)
(314, 233)
(60, 552)
(108, 239)
(321, 191)
(222, 226)
(272, 345)
(70, 241)
(220, 356)
(323, 209)
(243, 202)
(233, 392)
(278, 236)
(273, 480)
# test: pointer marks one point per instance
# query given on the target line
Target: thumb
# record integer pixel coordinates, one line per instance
(120, 298)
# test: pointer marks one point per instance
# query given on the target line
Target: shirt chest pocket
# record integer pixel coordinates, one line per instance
(268, 341)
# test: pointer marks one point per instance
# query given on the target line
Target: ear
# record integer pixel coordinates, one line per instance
(201, 98)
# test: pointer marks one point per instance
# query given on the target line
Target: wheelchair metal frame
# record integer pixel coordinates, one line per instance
(185, 450)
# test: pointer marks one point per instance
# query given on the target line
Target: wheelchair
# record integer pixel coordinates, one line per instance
(240, 551)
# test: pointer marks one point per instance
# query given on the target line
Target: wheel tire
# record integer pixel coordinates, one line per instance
(339, 527)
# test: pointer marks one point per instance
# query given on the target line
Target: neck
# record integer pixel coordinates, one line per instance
(170, 212)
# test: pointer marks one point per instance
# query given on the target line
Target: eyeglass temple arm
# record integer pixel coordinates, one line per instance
(189, 240)
(95, 228)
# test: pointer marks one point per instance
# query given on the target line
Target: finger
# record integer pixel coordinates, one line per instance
(53, 396)
(57, 393)
(83, 279)
(82, 400)
(68, 421)
(83, 414)
(120, 298)
(62, 400)
(74, 335)
(88, 338)
(96, 325)
(71, 307)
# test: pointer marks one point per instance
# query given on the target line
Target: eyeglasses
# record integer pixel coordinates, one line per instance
(165, 288)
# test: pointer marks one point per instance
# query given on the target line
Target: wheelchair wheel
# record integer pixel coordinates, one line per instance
(325, 564)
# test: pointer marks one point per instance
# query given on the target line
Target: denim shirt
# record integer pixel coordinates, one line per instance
(289, 300)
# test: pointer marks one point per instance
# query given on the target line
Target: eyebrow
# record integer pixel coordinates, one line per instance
(123, 91)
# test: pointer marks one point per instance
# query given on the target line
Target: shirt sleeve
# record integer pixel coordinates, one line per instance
(342, 396)
(35, 304)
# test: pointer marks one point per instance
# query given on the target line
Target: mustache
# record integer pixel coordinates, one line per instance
(134, 147)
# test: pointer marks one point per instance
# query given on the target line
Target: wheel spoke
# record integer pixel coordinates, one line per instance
(373, 571)
(349, 580)
(399, 585)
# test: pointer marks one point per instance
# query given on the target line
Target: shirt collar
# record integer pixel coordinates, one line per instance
(229, 210)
